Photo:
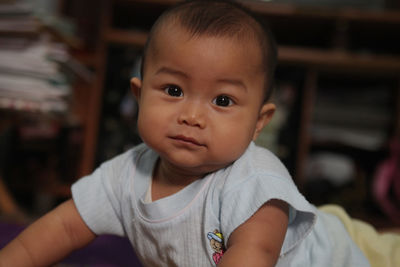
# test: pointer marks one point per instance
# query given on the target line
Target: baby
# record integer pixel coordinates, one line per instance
(198, 191)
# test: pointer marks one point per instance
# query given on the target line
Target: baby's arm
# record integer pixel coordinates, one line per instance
(258, 241)
(49, 239)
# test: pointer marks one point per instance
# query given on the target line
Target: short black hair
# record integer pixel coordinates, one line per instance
(221, 18)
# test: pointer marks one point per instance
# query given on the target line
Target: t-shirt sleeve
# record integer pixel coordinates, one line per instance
(241, 201)
(95, 197)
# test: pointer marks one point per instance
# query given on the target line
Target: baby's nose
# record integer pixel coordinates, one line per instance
(192, 114)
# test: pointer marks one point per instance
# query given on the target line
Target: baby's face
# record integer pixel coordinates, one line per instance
(200, 100)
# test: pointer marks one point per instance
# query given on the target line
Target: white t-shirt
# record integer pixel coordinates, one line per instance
(192, 226)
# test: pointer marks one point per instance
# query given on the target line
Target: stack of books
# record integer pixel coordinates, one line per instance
(30, 72)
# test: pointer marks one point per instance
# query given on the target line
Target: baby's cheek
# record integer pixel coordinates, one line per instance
(148, 119)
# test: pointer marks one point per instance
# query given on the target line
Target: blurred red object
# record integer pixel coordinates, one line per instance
(386, 186)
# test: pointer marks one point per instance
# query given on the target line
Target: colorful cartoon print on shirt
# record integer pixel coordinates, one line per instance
(217, 244)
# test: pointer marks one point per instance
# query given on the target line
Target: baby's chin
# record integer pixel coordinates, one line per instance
(193, 168)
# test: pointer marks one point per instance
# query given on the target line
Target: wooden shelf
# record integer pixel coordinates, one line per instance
(126, 37)
(286, 9)
(350, 14)
(381, 64)
(340, 60)
(152, 2)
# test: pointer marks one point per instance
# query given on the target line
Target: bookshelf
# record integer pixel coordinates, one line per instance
(43, 91)
(342, 46)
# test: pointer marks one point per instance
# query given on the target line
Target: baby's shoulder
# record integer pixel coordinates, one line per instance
(124, 163)
(127, 157)
(259, 162)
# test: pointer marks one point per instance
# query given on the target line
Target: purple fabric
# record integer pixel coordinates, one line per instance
(104, 251)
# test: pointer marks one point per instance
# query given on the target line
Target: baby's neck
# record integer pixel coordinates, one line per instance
(168, 180)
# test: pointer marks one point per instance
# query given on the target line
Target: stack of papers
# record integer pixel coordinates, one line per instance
(30, 73)
(31, 81)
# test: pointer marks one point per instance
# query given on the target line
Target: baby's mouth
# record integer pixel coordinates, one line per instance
(186, 139)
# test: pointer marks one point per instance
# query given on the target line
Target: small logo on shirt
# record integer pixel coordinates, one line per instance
(217, 244)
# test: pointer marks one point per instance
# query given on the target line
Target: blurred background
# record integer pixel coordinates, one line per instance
(65, 104)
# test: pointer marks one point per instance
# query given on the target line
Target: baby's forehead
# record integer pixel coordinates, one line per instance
(244, 39)
(237, 33)
(172, 36)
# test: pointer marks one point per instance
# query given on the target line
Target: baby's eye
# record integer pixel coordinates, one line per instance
(174, 91)
(223, 101)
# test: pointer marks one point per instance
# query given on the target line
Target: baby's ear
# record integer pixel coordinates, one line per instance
(136, 86)
(264, 117)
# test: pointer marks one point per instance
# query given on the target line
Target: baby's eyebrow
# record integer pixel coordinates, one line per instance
(169, 70)
(235, 82)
